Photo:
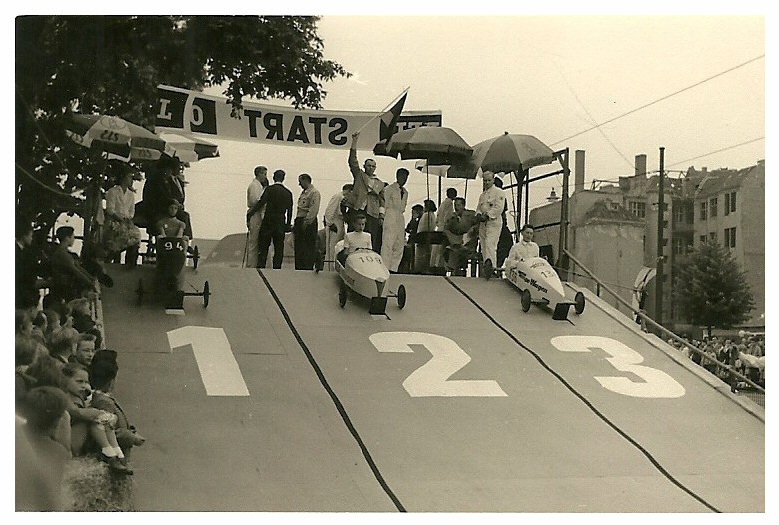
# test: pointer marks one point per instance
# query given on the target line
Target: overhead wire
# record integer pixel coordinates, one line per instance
(661, 99)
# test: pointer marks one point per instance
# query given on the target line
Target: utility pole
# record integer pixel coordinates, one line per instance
(660, 260)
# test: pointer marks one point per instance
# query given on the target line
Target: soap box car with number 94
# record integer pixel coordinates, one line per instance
(541, 285)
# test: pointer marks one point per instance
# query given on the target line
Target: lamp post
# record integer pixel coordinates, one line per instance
(660, 259)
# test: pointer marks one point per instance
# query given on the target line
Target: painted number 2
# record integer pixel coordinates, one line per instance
(432, 378)
(656, 383)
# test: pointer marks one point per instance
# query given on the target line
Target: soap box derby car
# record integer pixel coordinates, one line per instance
(363, 272)
(171, 254)
(539, 284)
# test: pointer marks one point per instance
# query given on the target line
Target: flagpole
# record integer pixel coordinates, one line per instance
(380, 113)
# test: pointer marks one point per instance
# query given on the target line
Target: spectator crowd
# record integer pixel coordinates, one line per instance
(66, 409)
(745, 354)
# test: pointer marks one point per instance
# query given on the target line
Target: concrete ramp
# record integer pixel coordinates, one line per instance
(458, 402)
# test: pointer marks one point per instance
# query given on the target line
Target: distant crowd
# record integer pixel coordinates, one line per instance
(745, 354)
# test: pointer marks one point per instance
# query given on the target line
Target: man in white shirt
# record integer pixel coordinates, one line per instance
(445, 212)
(254, 217)
(491, 204)
(393, 233)
(334, 222)
(524, 249)
(355, 240)
(305, 227)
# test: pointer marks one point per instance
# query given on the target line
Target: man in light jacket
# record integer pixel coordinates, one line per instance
(491, 204)
(393, 232)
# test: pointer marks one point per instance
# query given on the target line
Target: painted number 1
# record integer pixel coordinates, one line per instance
(215, 360)
(432, 378)
(656, 383)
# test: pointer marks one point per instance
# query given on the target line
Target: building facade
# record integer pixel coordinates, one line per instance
(613, 230)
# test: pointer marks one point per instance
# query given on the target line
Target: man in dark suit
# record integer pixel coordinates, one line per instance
(26, 267)
(277, 221)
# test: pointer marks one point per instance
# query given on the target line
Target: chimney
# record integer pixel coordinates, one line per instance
(578, 171)
(641, 165)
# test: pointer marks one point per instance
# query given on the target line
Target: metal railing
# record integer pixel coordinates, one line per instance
(753, 391)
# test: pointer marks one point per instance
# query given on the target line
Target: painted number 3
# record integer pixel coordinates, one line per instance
(655, 384)
(432, 378)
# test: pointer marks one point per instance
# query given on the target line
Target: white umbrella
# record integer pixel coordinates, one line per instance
(188, 148)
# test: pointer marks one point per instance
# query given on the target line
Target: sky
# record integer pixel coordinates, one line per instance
(547, 76)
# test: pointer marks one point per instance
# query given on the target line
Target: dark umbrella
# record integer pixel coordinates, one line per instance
(437, 145)
(510, 152)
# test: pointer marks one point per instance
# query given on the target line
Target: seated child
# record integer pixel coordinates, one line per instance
(102, 376)
(39, 327)
(170, 226)
(99, 422)
(359, 239)
(82, 319)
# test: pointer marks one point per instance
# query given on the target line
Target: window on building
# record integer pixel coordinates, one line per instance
(726, 231)
(730, 240)
(713, 236)
(680, 214)
(727, 204)
(677, 246)
(702, 238)
(732, 201)
(637, 208)
(704, 207)
(690, 209)
(713, 207)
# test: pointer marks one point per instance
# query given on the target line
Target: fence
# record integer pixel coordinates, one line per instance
(739, 383)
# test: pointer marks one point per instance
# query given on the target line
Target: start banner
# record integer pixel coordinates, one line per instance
(182, 110)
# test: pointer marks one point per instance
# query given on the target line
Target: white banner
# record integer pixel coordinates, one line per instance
(182, 110)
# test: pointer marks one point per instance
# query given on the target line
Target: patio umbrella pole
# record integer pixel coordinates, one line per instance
(439, 191)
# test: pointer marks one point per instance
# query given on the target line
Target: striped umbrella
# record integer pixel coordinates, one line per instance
(115, 136)
(188, 148)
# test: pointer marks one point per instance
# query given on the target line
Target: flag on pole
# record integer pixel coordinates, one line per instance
(389, 120)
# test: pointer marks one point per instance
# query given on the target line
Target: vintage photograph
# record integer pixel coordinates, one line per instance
(419, 262)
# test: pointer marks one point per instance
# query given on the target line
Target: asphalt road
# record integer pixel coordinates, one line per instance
(275, 399)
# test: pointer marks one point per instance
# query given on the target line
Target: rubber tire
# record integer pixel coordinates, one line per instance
(195, 257)
(206, 294)
(343, 294)
(580, 303)
(140, 292)
(526, 300)
(401, 296)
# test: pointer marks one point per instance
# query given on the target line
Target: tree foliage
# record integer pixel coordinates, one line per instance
(113, 64)
(711, 288)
